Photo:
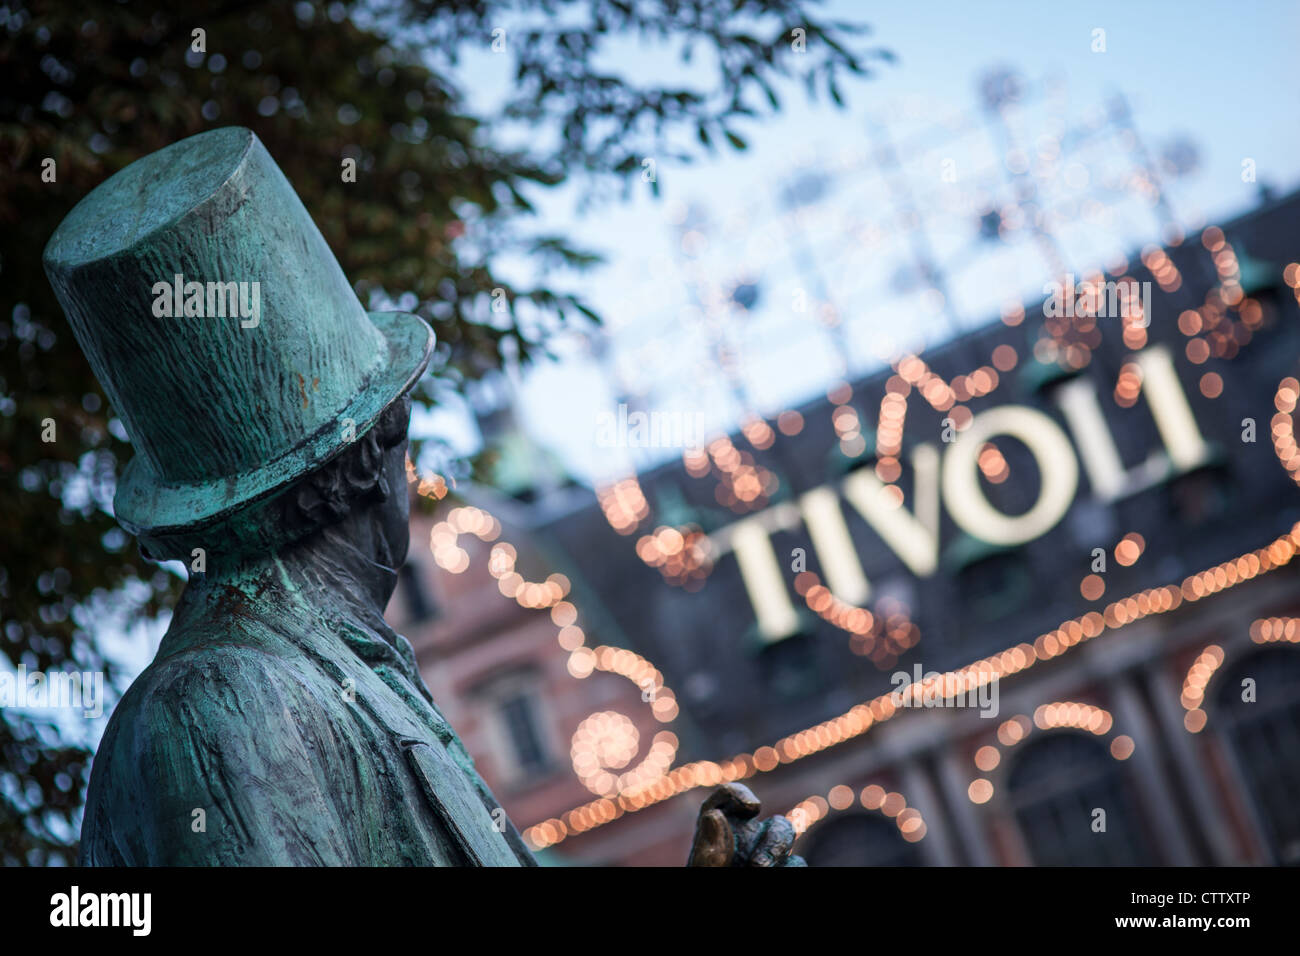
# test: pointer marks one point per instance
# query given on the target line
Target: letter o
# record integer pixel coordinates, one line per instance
(1057, 468)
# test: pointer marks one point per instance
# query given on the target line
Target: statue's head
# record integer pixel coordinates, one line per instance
(262, 400)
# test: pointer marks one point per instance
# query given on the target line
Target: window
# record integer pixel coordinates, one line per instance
(519, 715)
(516, 720)
(1264, 737)
(1055, 784)
(857, 839)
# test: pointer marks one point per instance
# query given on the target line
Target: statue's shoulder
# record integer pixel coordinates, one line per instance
(195, 723)
(218, 682)
(228, 677)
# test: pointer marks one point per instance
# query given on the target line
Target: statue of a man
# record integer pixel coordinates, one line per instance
(282, 721)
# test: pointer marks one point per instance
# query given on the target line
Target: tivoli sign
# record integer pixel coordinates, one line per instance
(953, 477)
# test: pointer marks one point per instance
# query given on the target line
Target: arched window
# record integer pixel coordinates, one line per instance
(1264, 737)
(857, 839)
(1056, 784)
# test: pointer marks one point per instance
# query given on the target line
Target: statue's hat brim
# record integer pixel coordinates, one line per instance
(148, 506)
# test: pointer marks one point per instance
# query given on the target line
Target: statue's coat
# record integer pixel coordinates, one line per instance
(265, 685)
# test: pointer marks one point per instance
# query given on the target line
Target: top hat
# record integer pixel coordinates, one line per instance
(159, 270)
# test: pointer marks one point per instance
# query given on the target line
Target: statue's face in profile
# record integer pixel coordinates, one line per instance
(397, 509)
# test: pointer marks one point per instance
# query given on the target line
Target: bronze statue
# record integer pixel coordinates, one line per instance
(282, 722)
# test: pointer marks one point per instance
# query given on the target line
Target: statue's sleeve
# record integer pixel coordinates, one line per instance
(224, 767)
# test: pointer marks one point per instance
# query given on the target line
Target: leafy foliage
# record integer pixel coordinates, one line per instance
(436, 204)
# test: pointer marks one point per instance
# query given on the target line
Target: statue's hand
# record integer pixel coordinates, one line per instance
(729, 832)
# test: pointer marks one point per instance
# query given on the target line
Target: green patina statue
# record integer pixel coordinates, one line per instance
(282, 721)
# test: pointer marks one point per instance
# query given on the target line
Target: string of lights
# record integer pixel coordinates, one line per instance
(1267, 630)
(891, 804)
(1055, 716)
(859, 719)
(1198, 677)
(604, 742)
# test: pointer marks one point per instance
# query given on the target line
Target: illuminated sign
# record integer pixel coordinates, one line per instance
(952, 477)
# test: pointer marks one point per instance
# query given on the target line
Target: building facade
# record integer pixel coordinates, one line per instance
(1028, 598)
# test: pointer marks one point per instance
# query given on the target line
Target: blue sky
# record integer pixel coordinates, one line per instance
(1223, 75)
